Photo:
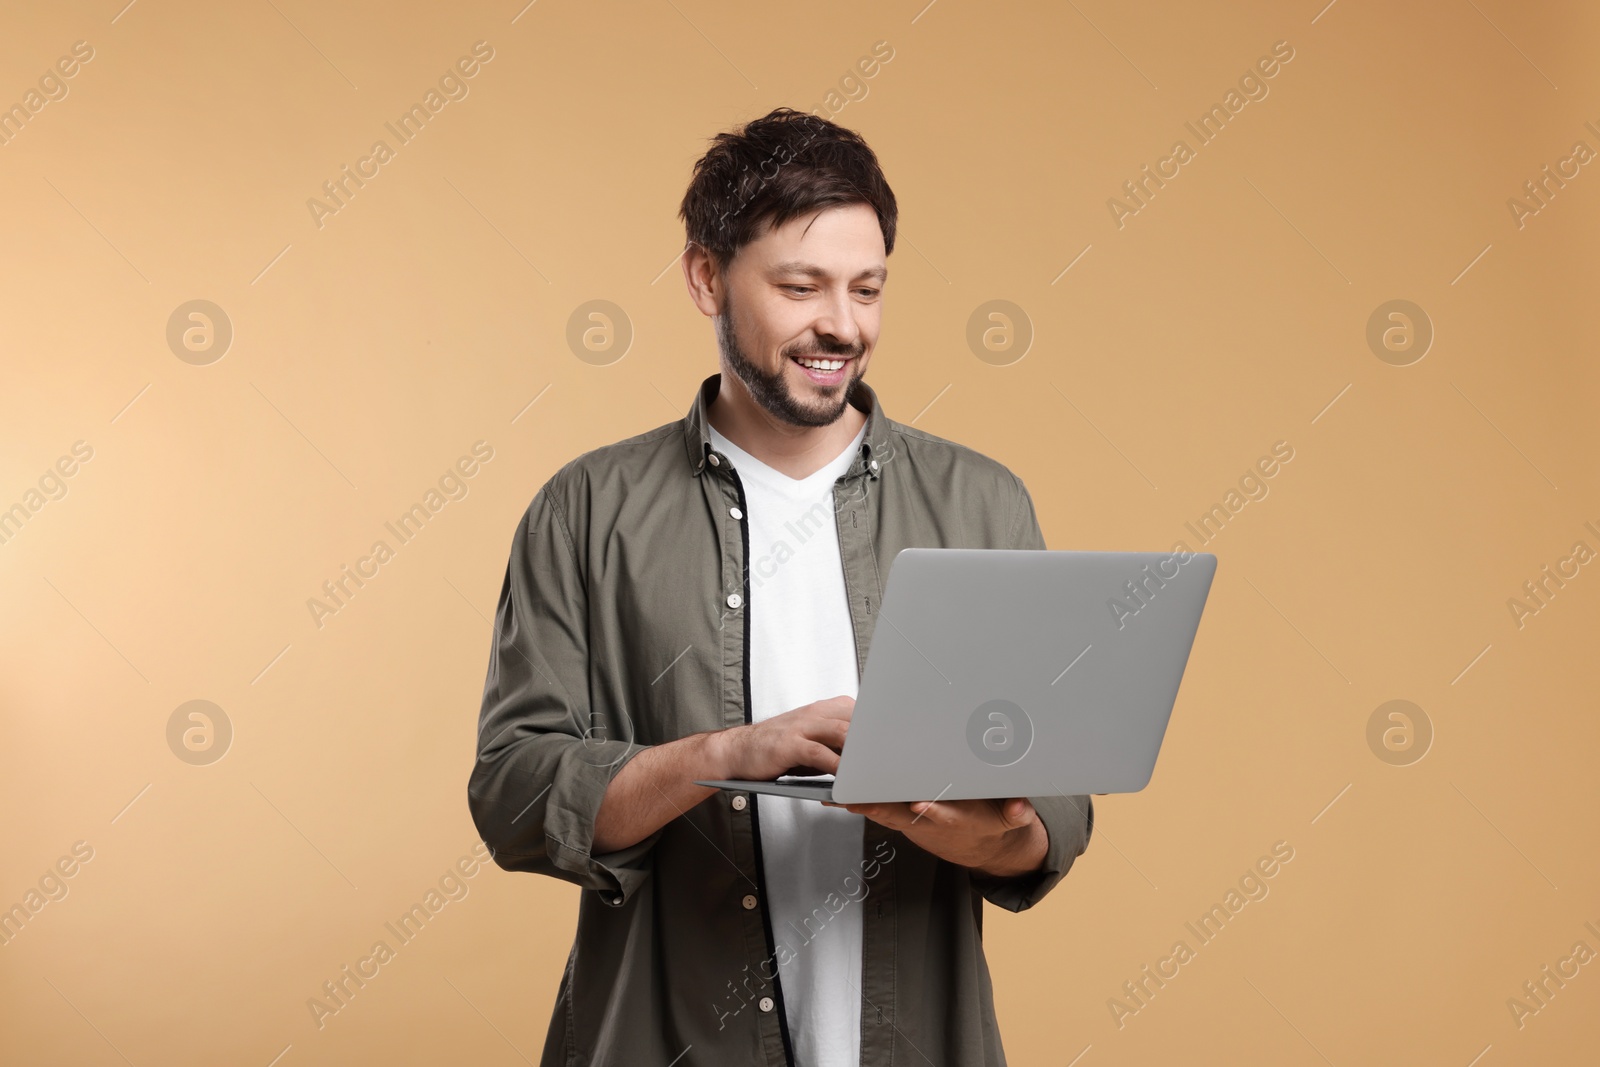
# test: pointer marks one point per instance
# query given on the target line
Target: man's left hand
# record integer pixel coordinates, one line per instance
(998, 837)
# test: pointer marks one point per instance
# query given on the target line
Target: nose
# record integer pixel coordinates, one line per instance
(837, 322)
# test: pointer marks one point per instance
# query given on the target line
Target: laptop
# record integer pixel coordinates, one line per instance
(997, 673)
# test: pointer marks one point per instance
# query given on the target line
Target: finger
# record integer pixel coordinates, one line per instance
(941, 813)
(830, 732)
(820, 756)
(976, 815)
(896, 816)
(1018, 811)
(843, 726)
(876, 812)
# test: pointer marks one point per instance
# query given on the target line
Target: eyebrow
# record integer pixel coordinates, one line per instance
(811, 270)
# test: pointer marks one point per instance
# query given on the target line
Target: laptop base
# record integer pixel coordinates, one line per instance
(802, 789)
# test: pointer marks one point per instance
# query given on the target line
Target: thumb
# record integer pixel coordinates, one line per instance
(1018, 811)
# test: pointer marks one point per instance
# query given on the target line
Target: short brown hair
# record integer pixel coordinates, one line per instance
(783, 165)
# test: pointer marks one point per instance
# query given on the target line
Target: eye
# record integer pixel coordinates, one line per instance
(870, 293)
(798, 288)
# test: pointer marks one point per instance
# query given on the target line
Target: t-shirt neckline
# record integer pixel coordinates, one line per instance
(828, 472)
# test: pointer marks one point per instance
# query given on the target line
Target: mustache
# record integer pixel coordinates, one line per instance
(841, 351)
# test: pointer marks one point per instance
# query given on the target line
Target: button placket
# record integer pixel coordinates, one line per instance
(737, 697)
(879, 925)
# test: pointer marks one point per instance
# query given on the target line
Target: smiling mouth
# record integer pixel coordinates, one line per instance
(833, 373)
(824, 364)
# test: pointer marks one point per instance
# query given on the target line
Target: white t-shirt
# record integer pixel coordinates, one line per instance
(802, 649)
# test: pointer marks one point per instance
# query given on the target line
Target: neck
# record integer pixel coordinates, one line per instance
(796, 451)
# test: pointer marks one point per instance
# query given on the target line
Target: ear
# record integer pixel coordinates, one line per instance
(705, 283)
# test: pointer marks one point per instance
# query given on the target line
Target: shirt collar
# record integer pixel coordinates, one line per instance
(875, 442)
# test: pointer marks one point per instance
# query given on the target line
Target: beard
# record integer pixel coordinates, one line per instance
(772, 391)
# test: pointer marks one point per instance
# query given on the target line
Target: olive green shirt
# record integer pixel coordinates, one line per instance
(622, 623)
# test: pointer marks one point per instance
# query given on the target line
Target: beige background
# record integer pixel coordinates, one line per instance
(368, 354)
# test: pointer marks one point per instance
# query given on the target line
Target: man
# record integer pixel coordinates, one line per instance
(697, 602)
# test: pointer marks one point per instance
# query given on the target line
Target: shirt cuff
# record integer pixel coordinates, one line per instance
(583, 773)
(1068, 822)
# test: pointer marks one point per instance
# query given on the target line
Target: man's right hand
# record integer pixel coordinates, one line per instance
(658, 784)
(807, 740)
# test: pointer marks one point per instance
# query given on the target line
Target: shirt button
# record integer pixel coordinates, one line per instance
(713, 460)
(749, 901)
(765, 1004)
(739, 802)
(873, 464)
(736, 513)
(734, 600)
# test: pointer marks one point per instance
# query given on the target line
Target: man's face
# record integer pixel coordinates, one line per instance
(809, 290)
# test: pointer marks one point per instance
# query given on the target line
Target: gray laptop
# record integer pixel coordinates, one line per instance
(999, 673)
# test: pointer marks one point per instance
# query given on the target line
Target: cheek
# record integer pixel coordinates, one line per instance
(870, 324)
(780, 335)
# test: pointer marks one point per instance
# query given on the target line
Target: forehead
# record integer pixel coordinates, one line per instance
(844, 241)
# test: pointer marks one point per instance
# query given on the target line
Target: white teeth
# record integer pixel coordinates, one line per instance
(821, 364)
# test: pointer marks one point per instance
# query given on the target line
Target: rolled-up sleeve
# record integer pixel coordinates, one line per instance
(1069, 820)
(545, 755)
